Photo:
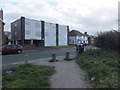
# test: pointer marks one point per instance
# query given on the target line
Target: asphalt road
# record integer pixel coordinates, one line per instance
(12, 60)
(7, 60)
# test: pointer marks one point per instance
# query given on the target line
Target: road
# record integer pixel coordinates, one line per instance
(7, 60)
(12, 60)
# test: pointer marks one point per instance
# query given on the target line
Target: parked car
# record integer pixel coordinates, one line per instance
(9, 49)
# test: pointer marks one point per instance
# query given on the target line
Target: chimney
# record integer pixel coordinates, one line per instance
(85, 33)
(1, 14)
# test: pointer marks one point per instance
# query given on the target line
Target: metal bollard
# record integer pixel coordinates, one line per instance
(26, 59)
(53, 56)
(67, 56)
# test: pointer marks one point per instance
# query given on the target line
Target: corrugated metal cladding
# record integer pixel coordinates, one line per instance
(63, 35)
(37, 32)
(32, 29)
(50, 34)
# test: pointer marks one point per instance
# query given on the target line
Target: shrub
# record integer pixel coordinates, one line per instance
(108, 40)
(101, 64)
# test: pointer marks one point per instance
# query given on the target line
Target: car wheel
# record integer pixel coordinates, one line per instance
(19, 51)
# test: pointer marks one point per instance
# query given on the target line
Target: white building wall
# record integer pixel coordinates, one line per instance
(86, 39)
(63, 35)
(79, 40)
(76, 40)
(50, 34)
(32, 29)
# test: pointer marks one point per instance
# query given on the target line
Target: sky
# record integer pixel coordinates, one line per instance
(89, 16)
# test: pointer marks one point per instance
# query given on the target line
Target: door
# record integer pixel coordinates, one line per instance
(7, 49)
(13, 48)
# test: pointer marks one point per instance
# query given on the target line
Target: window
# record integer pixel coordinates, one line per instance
(14, 46)
(27, 32)
(78, 40)
(15, 24)
(7, 46)
(15, 33)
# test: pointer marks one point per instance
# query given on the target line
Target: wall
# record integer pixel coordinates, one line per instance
(63, 35)
(1, 28)
(16, 30)
(80, 39)
(50, 34)
(32, 29)
(86, 39)
(76, 40)
(1, 33)
(72, 40)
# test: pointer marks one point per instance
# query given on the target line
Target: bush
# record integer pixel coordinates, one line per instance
(108, 40)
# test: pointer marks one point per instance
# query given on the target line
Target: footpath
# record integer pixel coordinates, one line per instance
(68, 74)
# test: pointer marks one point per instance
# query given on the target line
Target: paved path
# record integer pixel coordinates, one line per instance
(68, 74)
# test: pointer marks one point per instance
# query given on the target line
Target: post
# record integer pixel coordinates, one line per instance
(31, 41)
(26, 59)
(67, 56)
(53, 56)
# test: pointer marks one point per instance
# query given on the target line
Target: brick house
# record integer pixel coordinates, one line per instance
(1, 28)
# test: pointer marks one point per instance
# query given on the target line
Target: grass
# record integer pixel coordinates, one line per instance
(28, 76)
(59, 46)
(101, 64)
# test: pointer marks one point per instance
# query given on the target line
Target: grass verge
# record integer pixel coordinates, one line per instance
(59, 46)
(101, 67)
(28, 76)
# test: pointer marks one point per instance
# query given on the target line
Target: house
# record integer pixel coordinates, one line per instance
(1, 28)
(7, 36)
(86, 36)
(27, 31)
(76, 37)
(91, 40)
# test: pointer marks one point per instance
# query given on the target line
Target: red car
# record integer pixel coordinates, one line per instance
(7, 49)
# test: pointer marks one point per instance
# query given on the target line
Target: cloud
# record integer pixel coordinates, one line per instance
(83, 15)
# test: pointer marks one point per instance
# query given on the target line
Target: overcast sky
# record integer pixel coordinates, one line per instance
(89, 16)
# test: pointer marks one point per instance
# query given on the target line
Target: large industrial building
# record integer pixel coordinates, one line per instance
(26, 31)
